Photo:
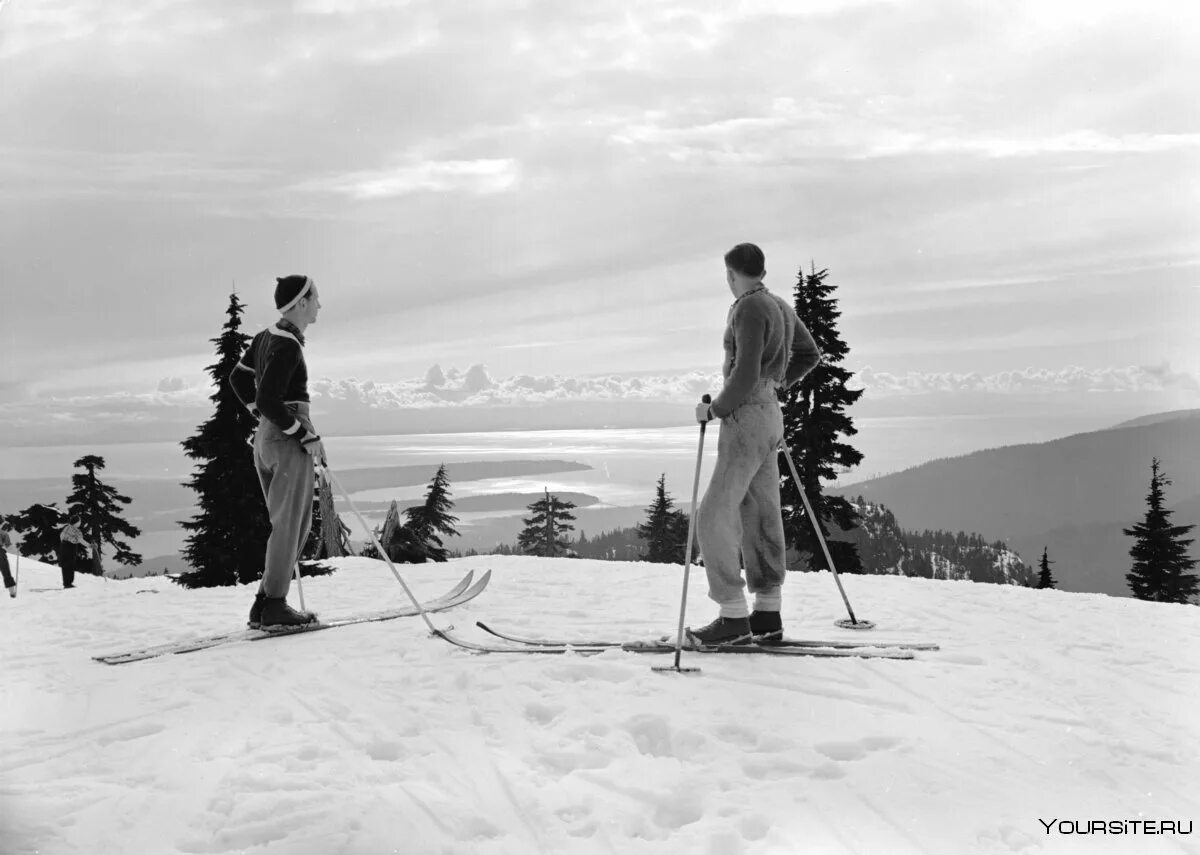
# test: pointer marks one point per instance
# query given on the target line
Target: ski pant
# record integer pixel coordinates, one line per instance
(741, 509)
(285, 471)
(5, 572)
(67, 558)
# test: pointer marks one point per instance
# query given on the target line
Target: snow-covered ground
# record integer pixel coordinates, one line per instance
(1041, 706)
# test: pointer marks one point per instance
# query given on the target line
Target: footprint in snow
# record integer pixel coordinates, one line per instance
(383, 749)
(130, 732)
(654, 736)
(768, 768)
(542, 713)
(754, 827)
(856, 750)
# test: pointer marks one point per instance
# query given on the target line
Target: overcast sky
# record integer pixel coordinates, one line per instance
(548, 187)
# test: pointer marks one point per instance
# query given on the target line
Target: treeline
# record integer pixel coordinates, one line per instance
(883, 547)
(886, 548)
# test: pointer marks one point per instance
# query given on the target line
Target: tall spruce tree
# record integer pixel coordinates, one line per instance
(545, 532)
(229, 534)
(814, 420)
(1045, 578)
(665, 528)
(429, 522)
(99, 507)
(1162, 568)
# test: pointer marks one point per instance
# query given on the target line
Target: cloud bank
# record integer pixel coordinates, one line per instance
(1134, 378)
(476, 388)
(448, 400)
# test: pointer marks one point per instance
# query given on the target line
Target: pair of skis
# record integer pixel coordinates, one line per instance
(465, 591)
(832, 648)
(461, 593)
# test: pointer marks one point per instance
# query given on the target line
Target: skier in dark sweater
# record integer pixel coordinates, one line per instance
(5, 545)
(767, 347)
(272, 381)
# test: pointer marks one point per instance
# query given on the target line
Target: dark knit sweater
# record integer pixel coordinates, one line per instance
(272, 374)
(764, 340)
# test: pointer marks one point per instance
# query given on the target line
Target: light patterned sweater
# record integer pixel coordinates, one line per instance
(764, 340)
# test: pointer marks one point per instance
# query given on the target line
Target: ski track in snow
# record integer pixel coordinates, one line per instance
(378, 739)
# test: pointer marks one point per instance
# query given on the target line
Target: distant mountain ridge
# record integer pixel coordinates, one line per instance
(1157, 418)
(886, 549)
(1071, 495)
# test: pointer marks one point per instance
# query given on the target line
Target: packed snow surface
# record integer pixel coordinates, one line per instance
(1041, 709)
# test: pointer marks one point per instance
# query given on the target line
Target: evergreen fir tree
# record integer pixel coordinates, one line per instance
(399, 543)
(814, 419)
(1045, 579)
(369, 550)
(544, 533)
(681, 535)
(229, 534)
(432, 520)
(1162, 568)
(665, 528)
(98, 506)
(39, 527)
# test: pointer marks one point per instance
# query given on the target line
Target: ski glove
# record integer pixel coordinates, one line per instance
(704, 413)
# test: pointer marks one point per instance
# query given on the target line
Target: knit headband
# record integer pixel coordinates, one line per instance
(308, 283)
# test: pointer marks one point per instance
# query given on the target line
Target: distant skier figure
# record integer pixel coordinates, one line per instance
(71, 549)
(272, 381)
(5, 545)
(766, 347)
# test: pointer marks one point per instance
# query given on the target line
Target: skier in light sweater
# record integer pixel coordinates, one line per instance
(72, 546)
(272, 381)
(767, 347)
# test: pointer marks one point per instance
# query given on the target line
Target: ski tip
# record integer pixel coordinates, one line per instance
(483, 582)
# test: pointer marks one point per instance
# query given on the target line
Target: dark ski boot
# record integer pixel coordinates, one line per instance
(767, 627)
(278, 615)
(256, 610)
(723, 630)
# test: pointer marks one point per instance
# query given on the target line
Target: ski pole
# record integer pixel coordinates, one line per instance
(17, 575)
(416, 603)
(853, 623)
(687, 554)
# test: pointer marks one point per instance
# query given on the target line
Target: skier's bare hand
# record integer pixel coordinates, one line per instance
(316, 450)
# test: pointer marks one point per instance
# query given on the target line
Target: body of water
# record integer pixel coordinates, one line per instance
(624, 463)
